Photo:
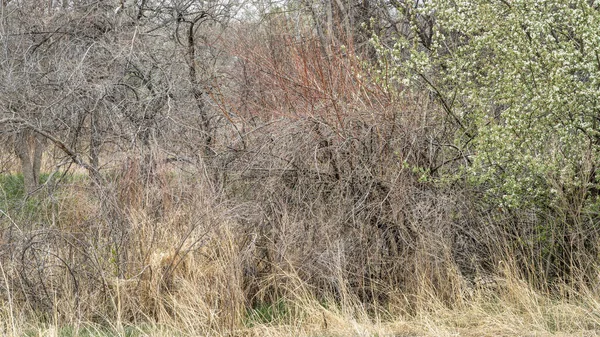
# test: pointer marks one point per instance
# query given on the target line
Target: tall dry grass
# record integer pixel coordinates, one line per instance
(207, 265)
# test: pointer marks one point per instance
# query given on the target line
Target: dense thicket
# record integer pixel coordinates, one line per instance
(356, 152)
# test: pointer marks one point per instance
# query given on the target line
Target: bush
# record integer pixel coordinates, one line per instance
(518, 80)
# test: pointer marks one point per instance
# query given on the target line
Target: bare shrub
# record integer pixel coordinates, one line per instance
(338, 170)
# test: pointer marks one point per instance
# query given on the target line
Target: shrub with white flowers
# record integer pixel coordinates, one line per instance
(522, 80)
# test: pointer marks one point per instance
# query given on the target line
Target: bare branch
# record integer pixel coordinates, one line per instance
(60, 144)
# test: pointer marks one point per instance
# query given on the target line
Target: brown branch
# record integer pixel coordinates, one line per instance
(58, 143)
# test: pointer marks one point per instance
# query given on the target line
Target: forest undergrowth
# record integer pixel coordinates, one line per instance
(302, 171)
(176, 256)
(308, 235)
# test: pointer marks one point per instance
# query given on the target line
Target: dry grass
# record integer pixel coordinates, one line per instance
(514, 310)
(200, 267)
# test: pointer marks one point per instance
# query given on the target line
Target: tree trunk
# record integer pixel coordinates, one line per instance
(38, 152)
(95, 139)
(22, 150)
(197, 91)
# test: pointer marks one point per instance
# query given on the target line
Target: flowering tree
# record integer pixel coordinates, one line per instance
(520, 80)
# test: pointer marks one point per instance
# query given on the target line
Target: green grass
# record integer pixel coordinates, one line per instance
(17, 205)
(12, 198)
(267, 313)
(12, 186)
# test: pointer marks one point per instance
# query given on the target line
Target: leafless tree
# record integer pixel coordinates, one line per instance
(111, 75)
